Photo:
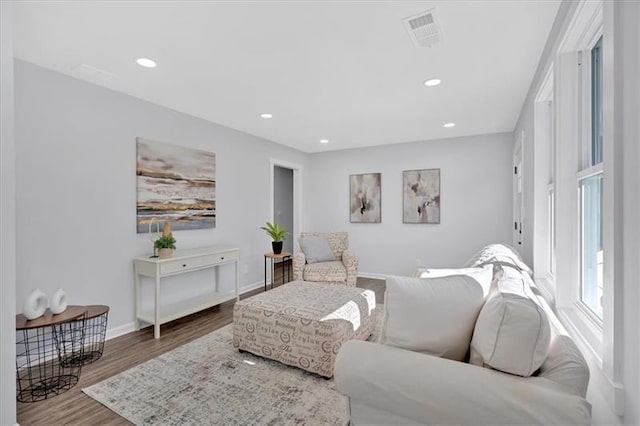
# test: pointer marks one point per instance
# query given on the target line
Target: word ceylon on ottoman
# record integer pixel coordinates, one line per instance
(303, 323)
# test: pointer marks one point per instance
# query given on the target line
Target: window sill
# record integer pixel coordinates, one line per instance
(584, 329)
(547, 287)
(589, 338)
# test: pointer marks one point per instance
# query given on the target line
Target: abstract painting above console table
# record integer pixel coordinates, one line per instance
(175, 184)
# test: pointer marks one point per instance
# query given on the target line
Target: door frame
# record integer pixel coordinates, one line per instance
(297, 193)
(518, 203)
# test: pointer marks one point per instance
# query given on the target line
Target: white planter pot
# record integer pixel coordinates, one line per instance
(165, 253)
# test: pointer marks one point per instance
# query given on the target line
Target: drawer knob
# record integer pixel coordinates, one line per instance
(222, 258)
(184, 265)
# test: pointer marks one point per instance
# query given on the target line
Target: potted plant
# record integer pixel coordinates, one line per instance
(165, 245)
(277, 234)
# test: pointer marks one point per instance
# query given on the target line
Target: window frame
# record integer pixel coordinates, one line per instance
(544, 181)
(601, 343)
(586, 166)
(595, 170)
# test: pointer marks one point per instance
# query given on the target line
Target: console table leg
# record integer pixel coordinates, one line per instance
(156, 309)
(137, 284)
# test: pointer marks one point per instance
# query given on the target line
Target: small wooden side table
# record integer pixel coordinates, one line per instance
(49, 351)
(283, 257)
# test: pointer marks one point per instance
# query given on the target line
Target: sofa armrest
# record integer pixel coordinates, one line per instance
(432, 390)
(297, 264)
(350, 262)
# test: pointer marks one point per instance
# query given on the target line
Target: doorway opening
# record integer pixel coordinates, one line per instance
(283, 202)
(518, 200)
(286, 201)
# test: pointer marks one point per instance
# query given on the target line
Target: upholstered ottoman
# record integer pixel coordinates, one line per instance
(303, 323)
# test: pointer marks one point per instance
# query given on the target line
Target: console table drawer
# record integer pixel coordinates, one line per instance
(191, 263)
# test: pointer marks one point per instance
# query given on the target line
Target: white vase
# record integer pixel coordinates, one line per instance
(34, 305)
(58, 302)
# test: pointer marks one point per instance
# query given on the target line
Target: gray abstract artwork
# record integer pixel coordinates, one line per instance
(175, 184)
(421, 196)
(365, 198)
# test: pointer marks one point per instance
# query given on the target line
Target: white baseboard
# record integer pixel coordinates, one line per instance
(120, 331)
(249, 287)
(129, 327)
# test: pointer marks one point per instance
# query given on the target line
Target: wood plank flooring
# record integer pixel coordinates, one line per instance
(75, 408)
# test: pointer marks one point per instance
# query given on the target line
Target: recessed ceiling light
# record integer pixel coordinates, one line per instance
(449, 124)
(432, 82)
(146, 62)
(324, 140)
(266, 115)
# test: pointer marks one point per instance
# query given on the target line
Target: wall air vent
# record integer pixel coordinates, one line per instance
(423, 28)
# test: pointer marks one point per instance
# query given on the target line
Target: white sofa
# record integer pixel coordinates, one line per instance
(388, 385)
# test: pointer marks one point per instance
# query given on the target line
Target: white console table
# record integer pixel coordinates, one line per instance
(181, 262)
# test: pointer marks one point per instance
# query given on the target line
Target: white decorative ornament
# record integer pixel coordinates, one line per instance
(154, 237)
(58, 302)
(35, 305)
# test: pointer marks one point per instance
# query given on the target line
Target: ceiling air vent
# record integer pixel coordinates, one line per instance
(423, 28)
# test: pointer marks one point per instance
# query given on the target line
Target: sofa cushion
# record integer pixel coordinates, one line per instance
(566, 365)
(434, 315)
(316, 249)
(497, 272)
(503, 253)
(445, 272)
(333, 271)
(511, 334)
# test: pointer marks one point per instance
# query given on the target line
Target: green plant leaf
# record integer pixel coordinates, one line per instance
(275, 231)
(165, 241)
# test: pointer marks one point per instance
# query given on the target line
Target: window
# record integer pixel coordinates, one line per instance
(589, 287)
(596, 103)
(590, 190)
(544, 192)
(591, 242)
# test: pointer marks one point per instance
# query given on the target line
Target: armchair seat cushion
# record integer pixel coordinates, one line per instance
(325, 272)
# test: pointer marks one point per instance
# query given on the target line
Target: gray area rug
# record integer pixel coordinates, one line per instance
(208, 382)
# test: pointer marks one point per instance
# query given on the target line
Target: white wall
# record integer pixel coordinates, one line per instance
(7, 223)
(629, 14)
(76, 191)
(475, 201)
(622, 19)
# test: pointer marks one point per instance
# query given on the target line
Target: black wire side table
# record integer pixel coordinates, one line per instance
(96, 330)
(48, 353)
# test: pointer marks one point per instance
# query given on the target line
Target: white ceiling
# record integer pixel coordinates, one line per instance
(346, 71)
